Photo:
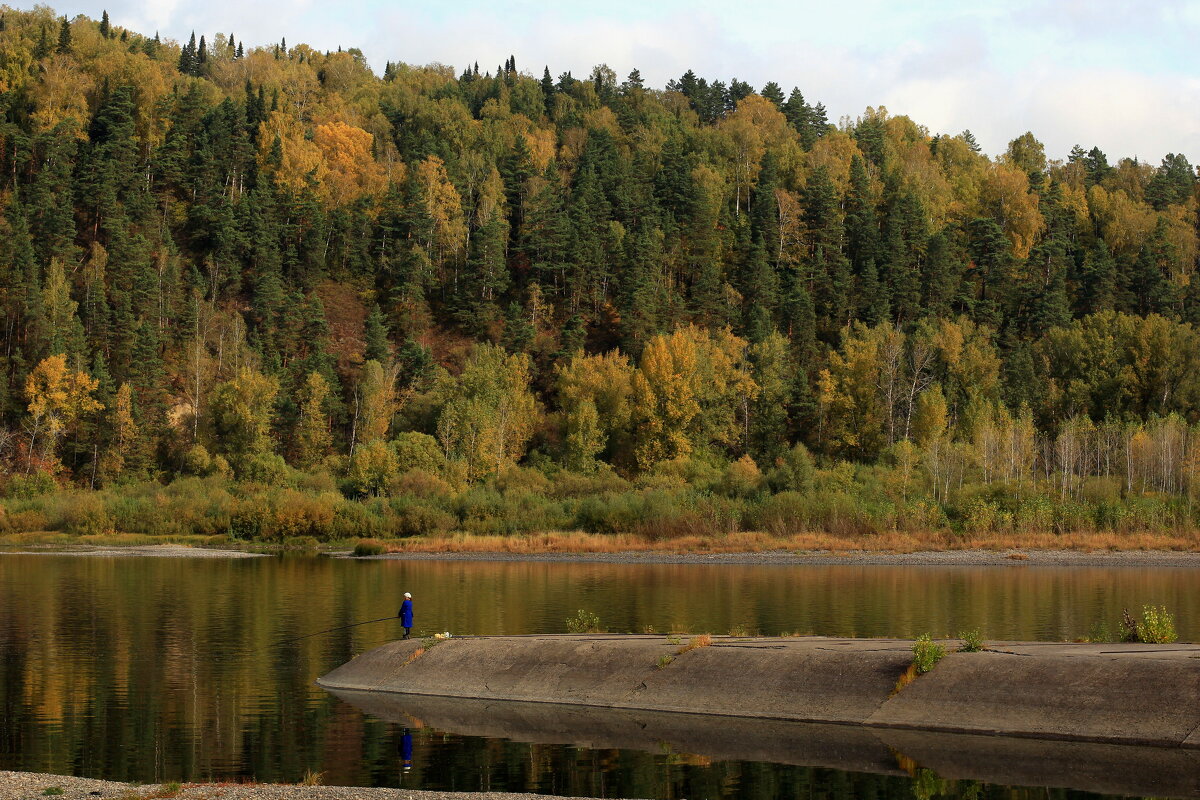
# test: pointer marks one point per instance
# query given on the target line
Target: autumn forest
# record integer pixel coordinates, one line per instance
(264, 292)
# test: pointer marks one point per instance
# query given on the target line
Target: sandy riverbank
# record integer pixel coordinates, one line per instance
(29, 785)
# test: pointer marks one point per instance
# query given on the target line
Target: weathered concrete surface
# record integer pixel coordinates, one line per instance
(1124, 694)
(811, 680)
(1131, 697)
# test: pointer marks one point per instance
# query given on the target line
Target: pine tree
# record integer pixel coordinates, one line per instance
(105, 30)
(64, 38)
(773, 92)
(378, 348)
(42, 48)
(548, 89)
(187, 57)
(826, 258)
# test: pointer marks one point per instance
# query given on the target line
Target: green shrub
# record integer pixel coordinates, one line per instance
(266, 468)
(369, 547)
(972, 642)
(926, 653)
(415, 518)
(793, 471)
(419, 451)
(1157, 626)
(52, 791)
(26, 487)
(584, 622)
(420, 483)
(85, 514)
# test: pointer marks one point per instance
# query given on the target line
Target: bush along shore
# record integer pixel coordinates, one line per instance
(684, 504)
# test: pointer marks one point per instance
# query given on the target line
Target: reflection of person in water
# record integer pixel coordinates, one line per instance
(406, 749)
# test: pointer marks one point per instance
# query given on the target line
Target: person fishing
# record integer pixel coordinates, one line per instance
(406, 615)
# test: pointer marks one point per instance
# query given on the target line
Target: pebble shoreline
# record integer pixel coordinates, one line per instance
(30, 785)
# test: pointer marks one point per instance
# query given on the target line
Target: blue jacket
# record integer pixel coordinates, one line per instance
(406, 614)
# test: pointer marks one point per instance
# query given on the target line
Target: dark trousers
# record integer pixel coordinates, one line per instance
(407, 632)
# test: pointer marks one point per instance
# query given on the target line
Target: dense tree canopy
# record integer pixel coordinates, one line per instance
(219, 258)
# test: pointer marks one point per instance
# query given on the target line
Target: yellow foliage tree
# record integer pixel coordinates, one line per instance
(1005, 196)
(350, 167)
(692, 389)
(594, 393)
(58, 396)
(445, 230)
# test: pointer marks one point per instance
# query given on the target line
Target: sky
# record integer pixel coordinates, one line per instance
(1123, 76)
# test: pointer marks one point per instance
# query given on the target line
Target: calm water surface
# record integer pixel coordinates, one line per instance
(153, 669)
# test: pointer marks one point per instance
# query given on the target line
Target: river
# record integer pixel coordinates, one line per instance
(158, 669)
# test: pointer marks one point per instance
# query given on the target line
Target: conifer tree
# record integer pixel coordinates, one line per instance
(64, 37)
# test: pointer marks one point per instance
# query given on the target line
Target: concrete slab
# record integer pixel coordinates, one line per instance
(1128, 694)
(1102, 698)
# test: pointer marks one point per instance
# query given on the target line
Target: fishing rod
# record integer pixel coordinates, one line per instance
(331, 630)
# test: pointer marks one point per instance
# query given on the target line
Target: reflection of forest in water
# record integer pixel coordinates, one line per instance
(158, 669)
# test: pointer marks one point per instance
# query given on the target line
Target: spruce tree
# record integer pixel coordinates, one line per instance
(376, 336)
(64, 37)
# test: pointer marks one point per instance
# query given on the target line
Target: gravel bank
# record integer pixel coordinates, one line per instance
(938, 558)
(30, 785)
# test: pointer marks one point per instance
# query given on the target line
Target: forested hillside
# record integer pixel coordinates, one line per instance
(479, 294)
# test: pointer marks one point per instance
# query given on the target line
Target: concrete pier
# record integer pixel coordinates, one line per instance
(1146, 695)
(1110, 718)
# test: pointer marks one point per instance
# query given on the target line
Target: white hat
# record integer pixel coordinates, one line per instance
(409, 596)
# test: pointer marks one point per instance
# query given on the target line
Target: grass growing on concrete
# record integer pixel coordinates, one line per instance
(413, 656)
(663, 661)
(908, 676)
(703, 640)
(584, 621)
(926, 653)
(1158, 626)
(972, 641)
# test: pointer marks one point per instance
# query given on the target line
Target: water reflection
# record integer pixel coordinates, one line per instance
(160, 669)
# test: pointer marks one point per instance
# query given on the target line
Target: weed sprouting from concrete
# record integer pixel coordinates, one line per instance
(1157, 627)
(663, 661)
(739, 630)
(584, 622)
(926, 653)
(52, 791)
(703, 640)
(312, 778)
(908, 676)
(413, 656)
(675, 640)
(1129, 627)
(972, 641)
